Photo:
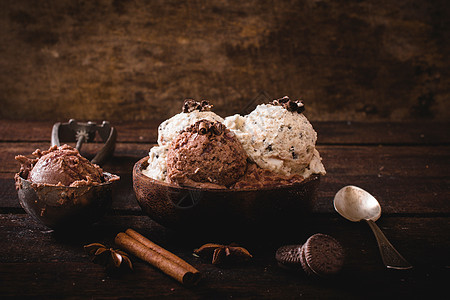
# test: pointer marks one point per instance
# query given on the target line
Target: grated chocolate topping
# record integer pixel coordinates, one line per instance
(290, 105)
(191, 105)
(207, 127)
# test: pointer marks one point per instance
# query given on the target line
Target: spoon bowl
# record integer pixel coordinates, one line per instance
(355, 204)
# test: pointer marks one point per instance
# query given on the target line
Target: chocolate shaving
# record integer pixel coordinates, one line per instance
(290, 105)
(217, 128)
(203, 128)
(191, 105)
(207, 127)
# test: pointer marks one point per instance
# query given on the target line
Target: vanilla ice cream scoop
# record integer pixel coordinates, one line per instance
(279, 138)
(193, 111)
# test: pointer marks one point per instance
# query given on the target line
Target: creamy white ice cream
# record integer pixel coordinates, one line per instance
(170, 128)
(279, 140)
(157, 166)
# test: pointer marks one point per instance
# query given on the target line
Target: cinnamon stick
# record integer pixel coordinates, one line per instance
(169, 255)
(186, 276)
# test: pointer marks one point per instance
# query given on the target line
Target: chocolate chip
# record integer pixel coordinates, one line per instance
(207, 127)
(203, 128)
(285, 99)
(300, 107)
(290, 105)
(292, 150)
(217, 128)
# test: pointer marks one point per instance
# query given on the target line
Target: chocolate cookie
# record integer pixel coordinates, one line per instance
(304, 264)
(323, 255)
(289, 256)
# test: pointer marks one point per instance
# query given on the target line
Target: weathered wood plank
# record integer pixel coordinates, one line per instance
(328, 132)
(80, 280)
(132, 60)
(48, 264)
(388, 133)
(36, 131)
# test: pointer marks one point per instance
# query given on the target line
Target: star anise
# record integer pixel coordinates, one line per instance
(109, 257)
(223, 253)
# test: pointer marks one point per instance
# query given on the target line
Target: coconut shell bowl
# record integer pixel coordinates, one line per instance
(65, 207)
(218, 211)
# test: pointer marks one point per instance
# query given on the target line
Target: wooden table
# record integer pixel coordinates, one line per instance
(404, 165)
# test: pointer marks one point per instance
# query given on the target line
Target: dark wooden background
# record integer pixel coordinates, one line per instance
(375, 79)
(126, 60)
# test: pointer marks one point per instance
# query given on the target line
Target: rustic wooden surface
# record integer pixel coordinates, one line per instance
(405, 167)
(137, 60)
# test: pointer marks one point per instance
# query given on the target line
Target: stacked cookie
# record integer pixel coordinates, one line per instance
(321, 255)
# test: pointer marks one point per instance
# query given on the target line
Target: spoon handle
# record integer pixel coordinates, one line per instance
(390, 256)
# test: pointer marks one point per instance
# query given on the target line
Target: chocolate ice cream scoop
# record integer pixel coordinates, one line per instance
(61, 166)
(62, 189)
(206, 152)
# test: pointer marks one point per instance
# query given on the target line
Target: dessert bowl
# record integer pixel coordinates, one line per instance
(204, 210)
(63, 207)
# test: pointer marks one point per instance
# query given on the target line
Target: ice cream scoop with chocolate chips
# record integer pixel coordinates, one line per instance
(279, 138)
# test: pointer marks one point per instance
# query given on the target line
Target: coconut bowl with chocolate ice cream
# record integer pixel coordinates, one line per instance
(221, 211)
(205, 180)
(62, 189)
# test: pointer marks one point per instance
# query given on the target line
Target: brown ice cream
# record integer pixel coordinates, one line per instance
(256, 178)
(62, 166)
(206, 154)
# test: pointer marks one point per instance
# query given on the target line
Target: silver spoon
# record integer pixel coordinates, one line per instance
(355, 204)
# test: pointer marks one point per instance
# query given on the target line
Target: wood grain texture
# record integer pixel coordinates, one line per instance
(353, 133)
(49, 265)
(121, 60)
